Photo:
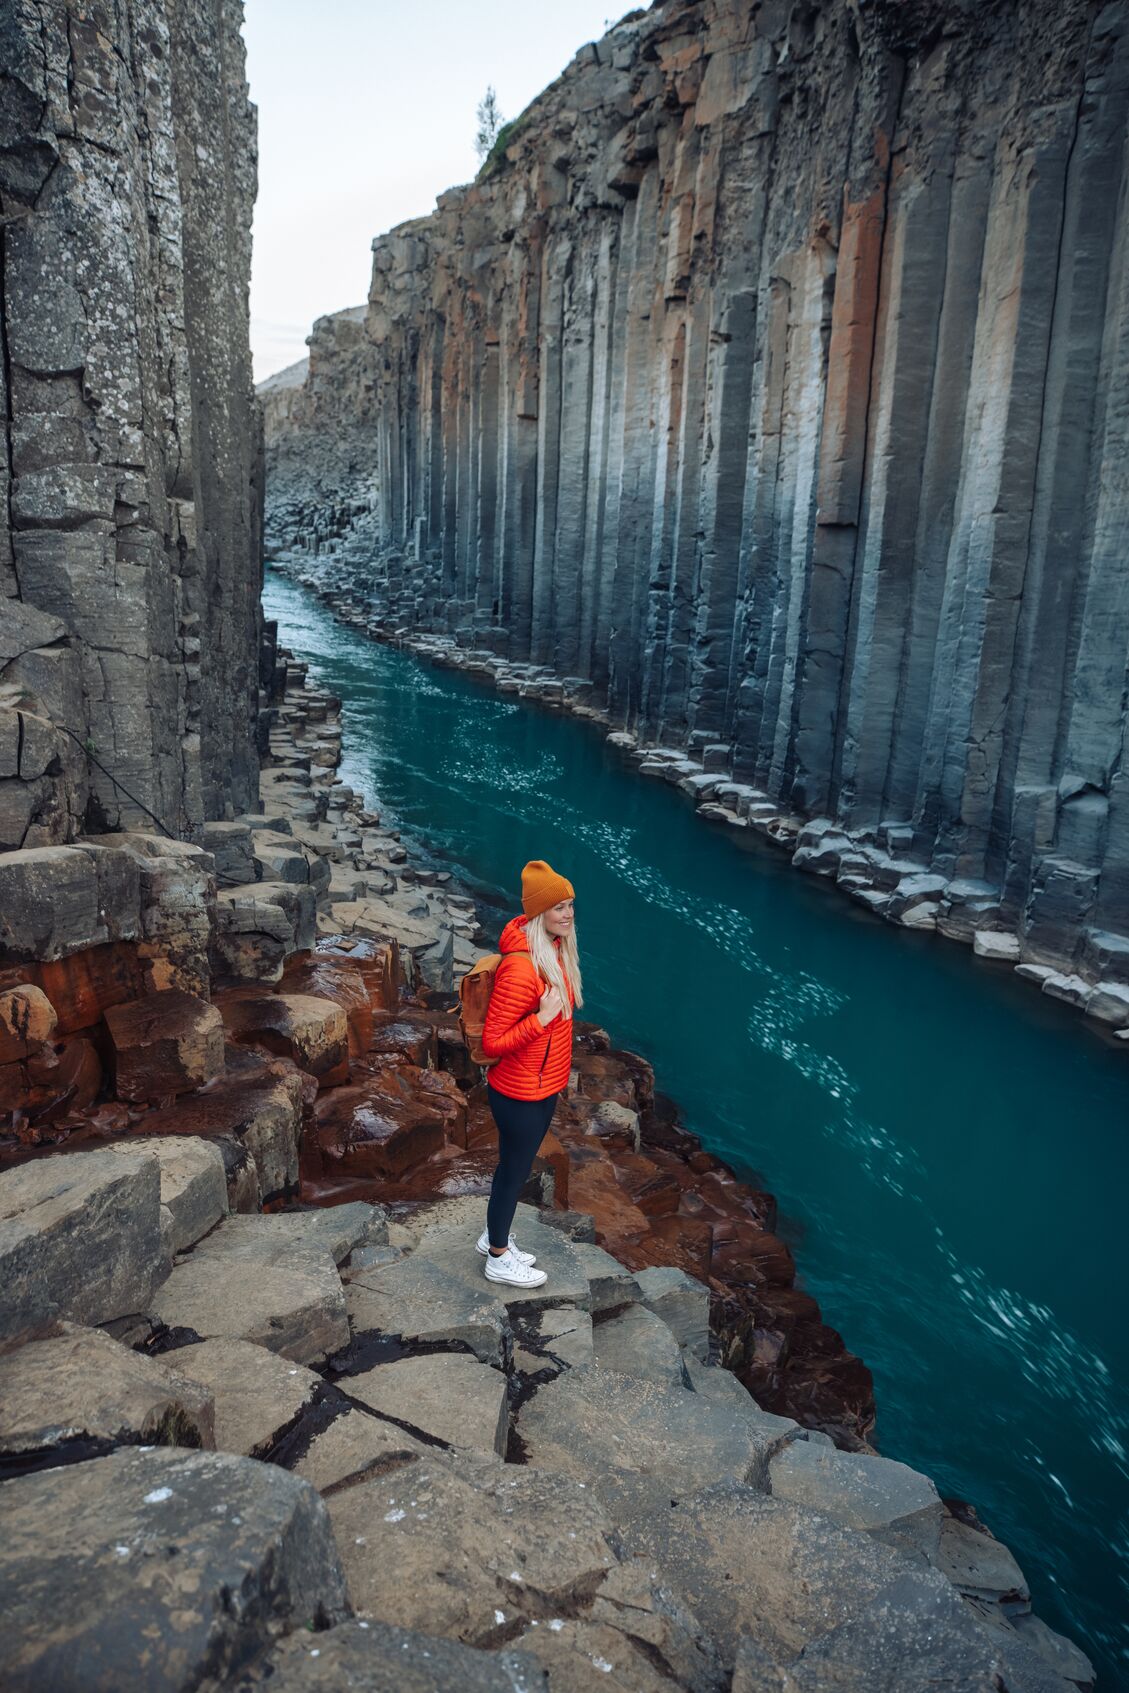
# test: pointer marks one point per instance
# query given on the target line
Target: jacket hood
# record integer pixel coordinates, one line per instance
(513, 937)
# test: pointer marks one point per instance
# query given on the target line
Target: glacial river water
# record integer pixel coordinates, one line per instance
(948, 1148)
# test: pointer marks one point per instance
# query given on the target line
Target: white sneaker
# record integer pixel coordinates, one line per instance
(483, 1245)
(506, 1268)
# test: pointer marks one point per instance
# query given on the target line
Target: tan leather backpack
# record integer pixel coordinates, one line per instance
(475, 989)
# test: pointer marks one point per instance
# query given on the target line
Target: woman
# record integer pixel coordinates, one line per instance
(528, 1038)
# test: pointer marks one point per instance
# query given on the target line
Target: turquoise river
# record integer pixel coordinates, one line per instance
(948, 1148)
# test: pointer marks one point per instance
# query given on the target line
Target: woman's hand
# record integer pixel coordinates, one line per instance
(552, 1004)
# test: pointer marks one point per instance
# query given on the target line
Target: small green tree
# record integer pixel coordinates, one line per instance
(489, 119)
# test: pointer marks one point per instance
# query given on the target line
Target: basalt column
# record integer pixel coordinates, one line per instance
(772, 378)
(130, 528)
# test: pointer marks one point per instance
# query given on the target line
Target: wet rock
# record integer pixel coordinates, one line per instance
(159, 1569)
(78, 1390)
(554, 1337)
(886, 1499)
(80, 1238)
(193, 1182)
(257, 1394)
(166, 1043)
(374, 1657)
(252, 1285)
(449, 1395)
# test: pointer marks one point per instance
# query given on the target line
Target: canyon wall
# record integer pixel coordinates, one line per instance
(130, 522)
(774, 377)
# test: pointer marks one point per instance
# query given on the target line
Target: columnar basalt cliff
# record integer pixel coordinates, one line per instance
(130, 527)
(772, 379)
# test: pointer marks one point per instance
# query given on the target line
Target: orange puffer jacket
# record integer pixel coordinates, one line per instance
(533, 1059)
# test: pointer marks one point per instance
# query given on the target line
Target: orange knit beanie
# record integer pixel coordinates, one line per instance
(541, 887)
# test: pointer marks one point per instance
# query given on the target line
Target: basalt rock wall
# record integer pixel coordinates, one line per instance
(774, 377)
(130, 523)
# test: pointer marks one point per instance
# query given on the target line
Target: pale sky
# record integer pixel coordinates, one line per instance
(366, 113)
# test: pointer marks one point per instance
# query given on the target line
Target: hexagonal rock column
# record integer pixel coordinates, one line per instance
(80, 1237)
(167, 1043)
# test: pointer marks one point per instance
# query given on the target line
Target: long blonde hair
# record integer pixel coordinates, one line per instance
(549, 959)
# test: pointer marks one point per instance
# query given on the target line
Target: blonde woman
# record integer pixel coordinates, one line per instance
(527, 1037)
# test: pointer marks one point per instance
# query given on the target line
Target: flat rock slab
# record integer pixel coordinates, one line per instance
(878, 1495)
(444, 1543)
(553, 1337)
(637, 1343)
(257, 1394)
(193, 1182)
(682, 1302)
(356, 1444)
(595, 1418)
(80, 1388)
(80, 1238)
(157, 1570)
(375, 1657)
(251, 1285)
(417, 1300)
(168, 1042)
(453, 1251)
(744, 1562)
(448, 1395)
(336, 1229)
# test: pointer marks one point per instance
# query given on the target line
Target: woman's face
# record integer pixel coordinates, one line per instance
(559, 917)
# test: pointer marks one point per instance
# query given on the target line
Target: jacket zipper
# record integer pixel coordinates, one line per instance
(545, 1055)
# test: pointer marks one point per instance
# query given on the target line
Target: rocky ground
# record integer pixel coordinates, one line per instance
(263, 1419)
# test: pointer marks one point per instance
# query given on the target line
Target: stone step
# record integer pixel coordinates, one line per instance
(252, 1283)
(77, 1392)
(257, 1394)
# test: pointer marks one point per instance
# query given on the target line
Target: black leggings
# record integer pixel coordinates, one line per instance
(522, 1124)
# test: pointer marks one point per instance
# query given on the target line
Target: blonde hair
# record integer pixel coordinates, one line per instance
(548, 959)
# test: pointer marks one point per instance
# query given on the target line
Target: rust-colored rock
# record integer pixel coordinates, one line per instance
(167, 1043)
(27, 1020)
(306, 1028)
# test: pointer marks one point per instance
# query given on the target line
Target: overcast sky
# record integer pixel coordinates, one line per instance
(366, 113)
